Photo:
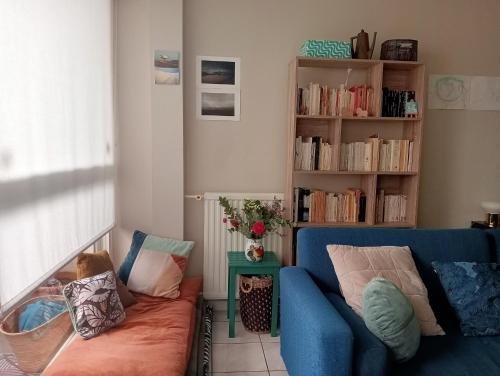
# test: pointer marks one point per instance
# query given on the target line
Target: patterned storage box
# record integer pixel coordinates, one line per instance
(326, 48)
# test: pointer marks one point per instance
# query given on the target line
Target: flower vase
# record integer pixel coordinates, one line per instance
(254, 250)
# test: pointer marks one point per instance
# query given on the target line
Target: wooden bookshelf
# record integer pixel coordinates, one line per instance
(344, 129)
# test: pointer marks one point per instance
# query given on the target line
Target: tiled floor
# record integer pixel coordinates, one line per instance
(247, 354)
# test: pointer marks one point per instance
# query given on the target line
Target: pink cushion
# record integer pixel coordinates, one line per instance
(356, 266)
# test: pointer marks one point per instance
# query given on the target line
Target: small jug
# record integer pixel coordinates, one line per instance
(363, 49)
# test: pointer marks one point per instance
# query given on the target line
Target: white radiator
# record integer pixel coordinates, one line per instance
(218, 241)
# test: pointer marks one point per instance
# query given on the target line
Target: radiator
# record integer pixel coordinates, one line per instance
(218, 241)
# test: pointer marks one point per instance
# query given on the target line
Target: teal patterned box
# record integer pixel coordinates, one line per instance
(326, 48)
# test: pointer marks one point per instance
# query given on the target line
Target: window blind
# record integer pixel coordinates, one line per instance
(56, 136)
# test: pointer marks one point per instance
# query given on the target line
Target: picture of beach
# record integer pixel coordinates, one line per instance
(217, 104)
(167, 67)
(218, 72)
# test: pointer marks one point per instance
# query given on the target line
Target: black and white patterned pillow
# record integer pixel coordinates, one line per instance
(94, 304)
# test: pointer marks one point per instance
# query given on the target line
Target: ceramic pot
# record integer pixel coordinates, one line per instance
(254, 250)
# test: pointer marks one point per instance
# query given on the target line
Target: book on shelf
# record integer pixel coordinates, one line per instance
(390, 207)
(318, 206)
(394, 102)
(321, 100)
(376, 154)
(312, 153)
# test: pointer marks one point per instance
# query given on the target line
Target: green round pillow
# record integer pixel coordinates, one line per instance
(389, 315)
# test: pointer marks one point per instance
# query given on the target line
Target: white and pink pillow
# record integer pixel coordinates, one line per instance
(356, 266)
(155, 266)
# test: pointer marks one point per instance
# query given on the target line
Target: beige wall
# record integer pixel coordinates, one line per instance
(150, 124)
(461, 165)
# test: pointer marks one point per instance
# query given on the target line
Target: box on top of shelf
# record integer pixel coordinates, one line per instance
(326, 48)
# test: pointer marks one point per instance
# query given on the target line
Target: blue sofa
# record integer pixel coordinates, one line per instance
(321, 334)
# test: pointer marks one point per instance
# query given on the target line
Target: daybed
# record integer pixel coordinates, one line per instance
(155, 339)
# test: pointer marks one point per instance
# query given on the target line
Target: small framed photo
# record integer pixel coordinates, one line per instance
(216, 104)
(218, 72)
(167, 67)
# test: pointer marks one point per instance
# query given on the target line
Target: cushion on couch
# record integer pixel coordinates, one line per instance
(94, 304)
(155, 266)
(473, 290)
(90, 264)
(389, 315)
(453, 355)
(356, 266)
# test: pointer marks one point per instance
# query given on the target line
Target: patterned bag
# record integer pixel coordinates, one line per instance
(256, 295)
(94, 304)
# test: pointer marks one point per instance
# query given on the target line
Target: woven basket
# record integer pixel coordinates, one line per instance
(35, 347)
(256, 295)
(399, 49)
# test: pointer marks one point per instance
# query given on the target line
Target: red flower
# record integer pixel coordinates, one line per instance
(224, 220)
(235, 223)
(259, 228)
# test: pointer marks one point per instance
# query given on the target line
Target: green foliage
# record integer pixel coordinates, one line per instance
(273, 217)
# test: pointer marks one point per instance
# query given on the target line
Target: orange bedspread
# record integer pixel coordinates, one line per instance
(154, 339)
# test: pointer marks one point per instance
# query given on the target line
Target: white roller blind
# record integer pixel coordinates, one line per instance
(56, 135)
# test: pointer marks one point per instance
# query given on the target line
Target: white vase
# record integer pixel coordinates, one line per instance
(254, 250)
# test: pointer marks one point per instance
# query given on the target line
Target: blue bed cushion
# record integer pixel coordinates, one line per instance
(473, 290)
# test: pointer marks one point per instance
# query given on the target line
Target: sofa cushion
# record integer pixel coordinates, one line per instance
(94, 304)
(357, 266)
(155, 266)
(90, 264)
(453, 354)
(426, 246)
(390, 316)
(370, 356)
(473, 290)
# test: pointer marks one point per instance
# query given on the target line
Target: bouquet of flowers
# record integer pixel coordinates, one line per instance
(256, 219)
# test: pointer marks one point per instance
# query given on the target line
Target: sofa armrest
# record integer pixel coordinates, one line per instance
(315, 339)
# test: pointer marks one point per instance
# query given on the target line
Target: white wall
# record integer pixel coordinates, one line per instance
(461, 165)
(150, 124)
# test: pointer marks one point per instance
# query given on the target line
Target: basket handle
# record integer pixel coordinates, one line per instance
(246, 291)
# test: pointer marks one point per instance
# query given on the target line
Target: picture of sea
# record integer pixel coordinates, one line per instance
(217, 104)
(218, 72)
(167, 67)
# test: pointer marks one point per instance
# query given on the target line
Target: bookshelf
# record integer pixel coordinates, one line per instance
(345, 128)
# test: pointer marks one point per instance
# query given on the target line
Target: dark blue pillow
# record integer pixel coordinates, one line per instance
(473, 290)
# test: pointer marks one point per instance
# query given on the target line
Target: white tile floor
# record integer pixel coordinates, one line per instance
(247, 354)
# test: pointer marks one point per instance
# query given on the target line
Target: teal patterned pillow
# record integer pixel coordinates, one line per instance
(473, 290)
(94, 304)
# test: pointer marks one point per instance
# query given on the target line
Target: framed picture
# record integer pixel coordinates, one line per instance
(216, 104)
(218, 72)
(167, 67)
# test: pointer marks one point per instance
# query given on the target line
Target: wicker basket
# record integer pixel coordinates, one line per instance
(256, 295)
(399, 49)
(35, 347)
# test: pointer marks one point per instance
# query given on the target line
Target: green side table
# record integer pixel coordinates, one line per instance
(238, 264)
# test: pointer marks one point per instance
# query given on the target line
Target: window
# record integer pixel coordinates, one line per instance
(56, 136)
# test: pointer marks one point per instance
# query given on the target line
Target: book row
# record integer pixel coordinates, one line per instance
(316, 99)
(398, 103)
(312, 153)
(377, 154)
(319, 206)
(390, 207)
